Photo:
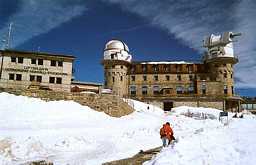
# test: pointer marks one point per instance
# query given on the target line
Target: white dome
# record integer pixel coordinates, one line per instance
(116, 44)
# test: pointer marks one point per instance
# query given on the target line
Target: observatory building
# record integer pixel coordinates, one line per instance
(169, 84)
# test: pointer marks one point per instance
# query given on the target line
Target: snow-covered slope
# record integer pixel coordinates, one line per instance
(210, 142)
(67, 133)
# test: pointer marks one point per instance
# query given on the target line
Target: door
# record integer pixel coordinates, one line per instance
(168, 105)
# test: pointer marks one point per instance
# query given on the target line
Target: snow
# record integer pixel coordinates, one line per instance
(203, 142)
(65, 132)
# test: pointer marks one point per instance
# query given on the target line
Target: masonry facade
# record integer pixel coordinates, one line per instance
(168, 83)
(22, 69)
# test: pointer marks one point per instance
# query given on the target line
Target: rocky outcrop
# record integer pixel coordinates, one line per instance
(40, 162)
(137, 159)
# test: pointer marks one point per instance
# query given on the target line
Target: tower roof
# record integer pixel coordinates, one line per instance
(116, 44)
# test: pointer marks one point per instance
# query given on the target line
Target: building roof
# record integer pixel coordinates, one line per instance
(85, 83)
(37, 53)
(164, 62)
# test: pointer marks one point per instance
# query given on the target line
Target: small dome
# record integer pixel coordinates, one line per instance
(116, 44)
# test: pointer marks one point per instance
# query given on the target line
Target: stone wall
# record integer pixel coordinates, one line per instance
(186, 103)
(191, 103)
(211, 104)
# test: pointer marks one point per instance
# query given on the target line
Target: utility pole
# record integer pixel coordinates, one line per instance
(9, 36)
(7, 46)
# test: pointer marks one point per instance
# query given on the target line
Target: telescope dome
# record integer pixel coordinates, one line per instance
(116, 45)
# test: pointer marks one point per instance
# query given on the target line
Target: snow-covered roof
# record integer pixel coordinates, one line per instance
(167, 62)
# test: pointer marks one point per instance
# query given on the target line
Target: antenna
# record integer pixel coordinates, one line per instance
(9, 36)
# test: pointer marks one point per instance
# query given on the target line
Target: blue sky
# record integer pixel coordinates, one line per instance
(153, 30)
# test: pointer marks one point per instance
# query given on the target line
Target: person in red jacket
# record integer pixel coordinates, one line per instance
(166, 134)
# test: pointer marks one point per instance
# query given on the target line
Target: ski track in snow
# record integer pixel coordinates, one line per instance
(67, 133)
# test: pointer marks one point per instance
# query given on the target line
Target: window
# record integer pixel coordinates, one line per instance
(156, 78)
(190, 77)
(33, 61)
(39, 78)
(191, 89)
(53, 63)
(18, 77)
(144, 68)
(60, 63)
(113, 79)
(167, 77)
(225, 74)
(52, 80)
(166, 68)
(59, 80)
(225, 89)
(121, 67)
(190, 68)
(133, 90)
(232, 90)
(179, 77)
(179, 89)
(40, 62)
(13, 59)
(156, 89)
(133, 69)
(231, 75)
(121, 78)
(155, 68)
(112, 56)
(20, 60)
(144, 78)
(203, 88)
(11, 76)
(133, 78)
(144, 90)
(167, 91)
(178, 68)
(32, 78)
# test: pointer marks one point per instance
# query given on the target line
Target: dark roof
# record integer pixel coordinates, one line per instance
(38, 53)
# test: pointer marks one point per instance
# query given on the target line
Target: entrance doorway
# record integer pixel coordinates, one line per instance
(168, 105)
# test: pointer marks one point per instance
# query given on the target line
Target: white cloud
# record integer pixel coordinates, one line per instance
(36, 17)
(190, 21)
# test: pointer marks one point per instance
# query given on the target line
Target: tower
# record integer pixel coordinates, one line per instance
(116, 62)
(220, 59)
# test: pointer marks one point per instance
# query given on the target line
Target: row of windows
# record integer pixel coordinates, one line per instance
(156, 90)
(37, 78)
(166, 68)
(36, 61)
(249, 106)
(167, 78)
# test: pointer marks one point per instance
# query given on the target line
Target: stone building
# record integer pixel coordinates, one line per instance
(86, 87)
(22, 69)
(168, 84)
